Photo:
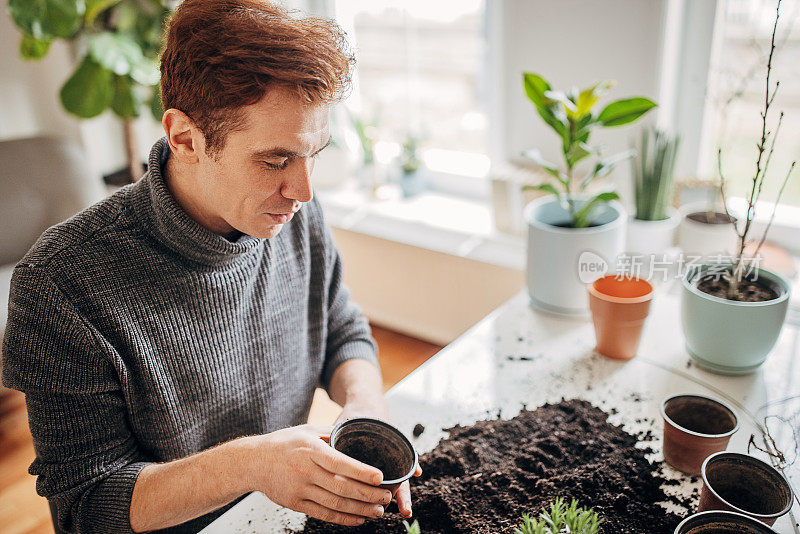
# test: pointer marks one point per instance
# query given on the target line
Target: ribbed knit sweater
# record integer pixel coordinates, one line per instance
(139, 336)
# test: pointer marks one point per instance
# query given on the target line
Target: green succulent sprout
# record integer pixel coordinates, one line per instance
(561, 519)
(412, 528)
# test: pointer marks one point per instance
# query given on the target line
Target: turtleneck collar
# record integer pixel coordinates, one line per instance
(167, 221)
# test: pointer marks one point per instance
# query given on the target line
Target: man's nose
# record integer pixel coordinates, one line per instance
(298, 182)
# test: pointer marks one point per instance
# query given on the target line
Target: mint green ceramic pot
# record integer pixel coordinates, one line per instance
(731, 337)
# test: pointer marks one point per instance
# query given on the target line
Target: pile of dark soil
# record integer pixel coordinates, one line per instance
(484, 477)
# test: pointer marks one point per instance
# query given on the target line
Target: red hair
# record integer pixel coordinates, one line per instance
(221, 55)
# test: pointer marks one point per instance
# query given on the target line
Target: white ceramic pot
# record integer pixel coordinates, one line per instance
(703, 239)
(562, 260)
(651, 237)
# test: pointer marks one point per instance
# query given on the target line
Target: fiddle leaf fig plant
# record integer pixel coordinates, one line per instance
(573, 117)
(118, 43)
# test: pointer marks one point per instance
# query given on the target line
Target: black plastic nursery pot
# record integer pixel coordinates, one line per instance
(379, 444)
(741, 483)
(695, 426)
(719, 522)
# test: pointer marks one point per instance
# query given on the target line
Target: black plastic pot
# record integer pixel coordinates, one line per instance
(379, 444)
(718, 522)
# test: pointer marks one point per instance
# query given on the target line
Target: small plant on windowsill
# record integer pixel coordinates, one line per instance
(411, 180)
(570, 115)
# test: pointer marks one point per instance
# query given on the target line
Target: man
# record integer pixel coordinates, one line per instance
(169, 338)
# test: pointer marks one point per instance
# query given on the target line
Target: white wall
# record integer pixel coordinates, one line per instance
(576, 43)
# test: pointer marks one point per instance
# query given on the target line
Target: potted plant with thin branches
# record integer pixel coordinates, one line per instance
(733, 311)
(568, 222)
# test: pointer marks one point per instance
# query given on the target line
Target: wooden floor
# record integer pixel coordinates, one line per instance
(22, 511)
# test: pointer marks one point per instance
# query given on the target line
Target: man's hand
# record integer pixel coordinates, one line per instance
(379, 411)
(298, 470)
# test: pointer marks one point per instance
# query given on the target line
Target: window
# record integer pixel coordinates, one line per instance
(738, 85)
(420, 68)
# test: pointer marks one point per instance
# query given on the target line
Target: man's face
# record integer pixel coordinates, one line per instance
(261, 175)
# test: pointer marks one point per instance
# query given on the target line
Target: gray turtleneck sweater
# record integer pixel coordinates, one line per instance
(139, 336)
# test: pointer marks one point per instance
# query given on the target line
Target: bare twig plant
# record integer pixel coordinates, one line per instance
(734, 278)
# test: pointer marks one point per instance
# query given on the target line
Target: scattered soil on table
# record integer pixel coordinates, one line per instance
(711, 217)
(749, 291)
(418, 430)
(484, 477)
(376, 451)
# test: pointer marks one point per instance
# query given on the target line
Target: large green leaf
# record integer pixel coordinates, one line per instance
(625, 111)
(547, 188)
(589, 96)
(47, 19)
(123, 102)
(88, 92)
(32, 48)
(146, 72)
(117, 52)
(535, 88)
(582, 218)
(95, 7)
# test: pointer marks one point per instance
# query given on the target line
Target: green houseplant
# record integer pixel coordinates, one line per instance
(733, 311)
(571, 116)
(118, 42)
(572, 237)
(652, 228)
(411, 180)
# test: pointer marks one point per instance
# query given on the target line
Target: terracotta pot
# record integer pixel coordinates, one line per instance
(379, 444)
(715, 522)
(695, 427)
(740, 483)
(619, 306)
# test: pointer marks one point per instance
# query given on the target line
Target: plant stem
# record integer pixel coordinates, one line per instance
(131, 151)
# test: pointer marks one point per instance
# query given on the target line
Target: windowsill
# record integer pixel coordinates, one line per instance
(430, 220)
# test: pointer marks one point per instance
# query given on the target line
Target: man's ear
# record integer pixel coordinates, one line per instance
(185, 139)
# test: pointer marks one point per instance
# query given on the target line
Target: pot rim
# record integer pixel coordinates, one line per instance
(700, 205)
(618, 221)
(692, 432)
(699, 269)
(621, 300)
(674, 217)
(746, 518)
(748, 458)
(394, 429)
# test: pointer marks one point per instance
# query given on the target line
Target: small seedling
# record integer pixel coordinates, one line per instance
(561, 519)
(412, 528)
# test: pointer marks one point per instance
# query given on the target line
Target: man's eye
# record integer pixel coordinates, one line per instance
(277, 166)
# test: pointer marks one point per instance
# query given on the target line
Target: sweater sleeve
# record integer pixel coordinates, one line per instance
(87, 459)
(349, 334)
